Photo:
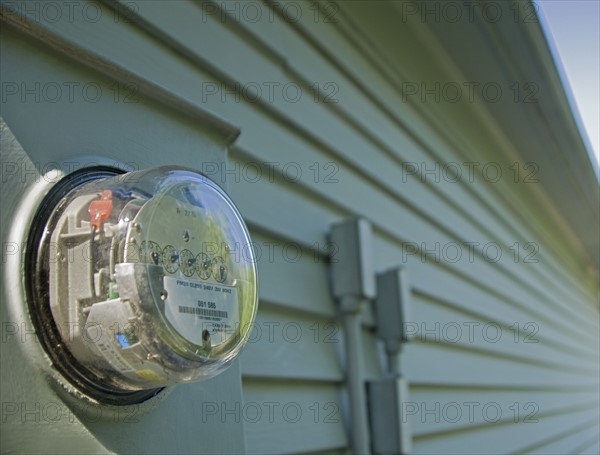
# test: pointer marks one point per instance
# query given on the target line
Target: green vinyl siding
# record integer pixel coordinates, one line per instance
(361, 139)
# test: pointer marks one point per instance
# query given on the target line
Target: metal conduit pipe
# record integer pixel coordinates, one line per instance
(353, 284)
(351, 319)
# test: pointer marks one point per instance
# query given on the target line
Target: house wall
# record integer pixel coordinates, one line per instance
(504, 356)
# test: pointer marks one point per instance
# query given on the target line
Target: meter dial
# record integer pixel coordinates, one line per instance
(203, 266)
(188, 263)
(171, 259)
(151, 252)
(219, 270)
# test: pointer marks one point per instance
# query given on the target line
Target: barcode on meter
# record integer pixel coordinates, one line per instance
(202, 311)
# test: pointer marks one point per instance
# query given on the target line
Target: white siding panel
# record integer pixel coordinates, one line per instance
(569, 440)
(439, 409)
(591, 448)
(305, 417)
(456, 365)
(291, 345)
(522, 340)
(500, 438)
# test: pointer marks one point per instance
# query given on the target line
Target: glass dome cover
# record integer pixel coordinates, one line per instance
(149, 277)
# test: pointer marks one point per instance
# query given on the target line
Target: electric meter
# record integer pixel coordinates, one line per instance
(139, 281)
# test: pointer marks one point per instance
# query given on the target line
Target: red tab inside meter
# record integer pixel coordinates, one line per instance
(100, 209)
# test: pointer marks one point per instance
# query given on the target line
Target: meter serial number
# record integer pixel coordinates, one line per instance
(205, 304)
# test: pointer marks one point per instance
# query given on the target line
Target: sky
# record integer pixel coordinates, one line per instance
(572, 28)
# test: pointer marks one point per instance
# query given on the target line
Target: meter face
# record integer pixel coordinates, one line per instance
(150, 278)
(199, 245)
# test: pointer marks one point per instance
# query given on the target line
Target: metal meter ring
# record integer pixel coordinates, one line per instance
(139, 281)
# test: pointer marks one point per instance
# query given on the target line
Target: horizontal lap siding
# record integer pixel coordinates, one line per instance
(564, 339)
(292, 345)
(305, 417)
(402, 211)
(366, 136)
(505, 437)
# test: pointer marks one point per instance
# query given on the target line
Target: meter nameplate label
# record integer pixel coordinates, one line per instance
(194, 306)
